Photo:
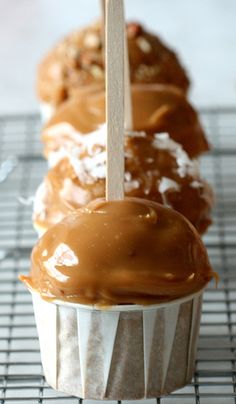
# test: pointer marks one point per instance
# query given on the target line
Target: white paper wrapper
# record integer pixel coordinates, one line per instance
(47, 111)
(121, 353)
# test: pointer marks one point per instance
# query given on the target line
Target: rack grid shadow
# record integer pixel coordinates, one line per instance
(21, 169)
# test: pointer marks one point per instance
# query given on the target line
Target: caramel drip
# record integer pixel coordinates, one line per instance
(124, 252)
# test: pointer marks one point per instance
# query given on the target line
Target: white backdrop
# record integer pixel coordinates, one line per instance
(203, 32)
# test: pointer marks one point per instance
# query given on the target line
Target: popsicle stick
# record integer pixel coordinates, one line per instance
(128, 101)
(128, 98)
(102, 7)
(115, 99)
(103, 21)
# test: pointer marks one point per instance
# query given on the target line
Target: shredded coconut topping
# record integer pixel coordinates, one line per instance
(196, 184)
(87, 156)
(131, 185)
(167, 183)
(63, 128)
(186, 166)
(93, 166)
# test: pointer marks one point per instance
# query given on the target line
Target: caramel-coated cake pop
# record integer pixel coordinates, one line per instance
(117, 289)
(156, 168)
(156, 109)
(122, 252)
(78, 61)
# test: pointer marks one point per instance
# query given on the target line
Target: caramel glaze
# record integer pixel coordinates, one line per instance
(78, 61)
(122, 252)
(64, 190)
(156, 109)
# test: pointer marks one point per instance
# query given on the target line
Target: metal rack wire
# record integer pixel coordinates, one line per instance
(21, 170)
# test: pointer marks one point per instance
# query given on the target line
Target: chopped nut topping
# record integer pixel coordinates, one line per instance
(143, 44)
(61, 48)
(86, 59)
(133, 30)
(74, 37)
(146, 71)
(72, 52)
(55, 71)
(149, 160)
(72, 57)
(96, 71)
(92, 41)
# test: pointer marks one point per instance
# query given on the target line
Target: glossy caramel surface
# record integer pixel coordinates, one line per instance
(156, 108)
(124, 252)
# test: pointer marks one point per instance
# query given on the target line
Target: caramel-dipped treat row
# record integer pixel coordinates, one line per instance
(144, 262)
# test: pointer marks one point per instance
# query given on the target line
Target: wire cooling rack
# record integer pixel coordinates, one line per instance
(21, 170)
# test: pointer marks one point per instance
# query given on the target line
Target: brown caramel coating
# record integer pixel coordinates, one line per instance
(146, 167)
(156, 109)
(122, 252)
(78, 61)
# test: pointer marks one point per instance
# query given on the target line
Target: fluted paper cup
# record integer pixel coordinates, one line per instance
(119, 353)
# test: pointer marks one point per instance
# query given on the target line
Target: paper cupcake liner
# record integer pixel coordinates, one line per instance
(46, 111)
(121, 353)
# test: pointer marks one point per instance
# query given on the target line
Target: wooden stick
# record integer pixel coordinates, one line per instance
(103, 7)
(103, 22)
(128, 98)
(115, 99)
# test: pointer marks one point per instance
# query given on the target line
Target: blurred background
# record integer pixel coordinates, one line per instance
(203, 32)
